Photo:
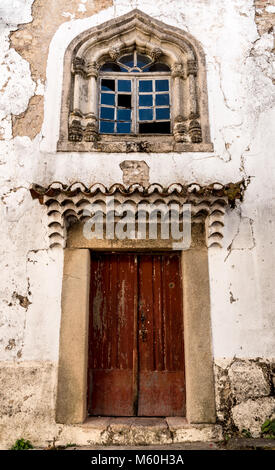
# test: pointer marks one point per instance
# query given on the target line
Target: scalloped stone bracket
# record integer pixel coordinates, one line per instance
(66, 204)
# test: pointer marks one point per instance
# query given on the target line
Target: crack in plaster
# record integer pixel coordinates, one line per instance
(230, 247)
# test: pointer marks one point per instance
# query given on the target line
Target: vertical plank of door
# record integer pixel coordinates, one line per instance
(161, 355)
(112, 335)
(135, 376)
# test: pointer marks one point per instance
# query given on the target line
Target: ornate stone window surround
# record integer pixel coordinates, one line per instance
(109, 41)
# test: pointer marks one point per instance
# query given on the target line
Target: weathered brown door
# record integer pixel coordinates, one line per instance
(136, 351)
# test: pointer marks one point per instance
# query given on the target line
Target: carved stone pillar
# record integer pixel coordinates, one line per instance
(91, 121)
(179, 104)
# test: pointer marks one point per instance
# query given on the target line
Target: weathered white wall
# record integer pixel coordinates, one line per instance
(241, 107)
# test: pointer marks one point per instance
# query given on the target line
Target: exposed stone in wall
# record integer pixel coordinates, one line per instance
(135, 171)
(30, 121)
(32, 42)
(264, 15)
(244, 395)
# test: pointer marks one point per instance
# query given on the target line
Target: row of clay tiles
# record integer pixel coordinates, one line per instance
(232, 191)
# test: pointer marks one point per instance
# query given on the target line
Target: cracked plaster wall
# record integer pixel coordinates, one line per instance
(241, 97)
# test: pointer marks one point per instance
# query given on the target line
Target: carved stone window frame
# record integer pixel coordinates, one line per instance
(134, 31)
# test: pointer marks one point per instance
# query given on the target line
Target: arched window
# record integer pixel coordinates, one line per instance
(134, 84)
(134, 96)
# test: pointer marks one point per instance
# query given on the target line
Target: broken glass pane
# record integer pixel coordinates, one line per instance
(124, 101)
(108, 85)
(154, 128)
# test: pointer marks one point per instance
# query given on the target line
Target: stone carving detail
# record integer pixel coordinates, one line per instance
(195, 132)
(135, 171)
(91, 133)
(156, 53)
(177, 70)
(92, 70)
(181, 130)
(192, 67)
(78, 65)
(114, 52)
(75, 128)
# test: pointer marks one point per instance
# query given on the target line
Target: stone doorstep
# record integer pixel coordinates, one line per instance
(138, 431)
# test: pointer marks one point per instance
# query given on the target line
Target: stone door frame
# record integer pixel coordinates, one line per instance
(71, 404)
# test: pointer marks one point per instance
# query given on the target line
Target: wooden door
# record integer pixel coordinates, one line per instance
(136, 351)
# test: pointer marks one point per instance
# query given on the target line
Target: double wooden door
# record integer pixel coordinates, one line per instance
(136, 350)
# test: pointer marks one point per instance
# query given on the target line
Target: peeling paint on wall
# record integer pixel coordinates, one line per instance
(30, 41)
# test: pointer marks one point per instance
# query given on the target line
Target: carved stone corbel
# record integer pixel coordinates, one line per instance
(192, 67)
(114, 52)
(78, 66)
(156, 53)
(92, 69)
(75, 131)
(91, 128)
(177, 70)
(195, 131)
(180, 130)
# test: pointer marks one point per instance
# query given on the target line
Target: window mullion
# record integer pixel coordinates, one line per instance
(135, 105)
(116, 104)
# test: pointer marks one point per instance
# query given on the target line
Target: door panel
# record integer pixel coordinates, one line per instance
(112, 372)
(161, 351)
(136, 356)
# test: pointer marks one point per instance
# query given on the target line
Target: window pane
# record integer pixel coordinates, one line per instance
(162, 113)
(162, 85)
(108, 98)
(107, 113)
(123, 114)
(107, 127)
(123, 127)
(154, 128)
(162, 100)
(145, 100)
(145, 114)
(145, 85)
(124, 85)
(108, 85)
(157, 68)
(127, 60)
(142, 60)
(110, 67)
(124, 101)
